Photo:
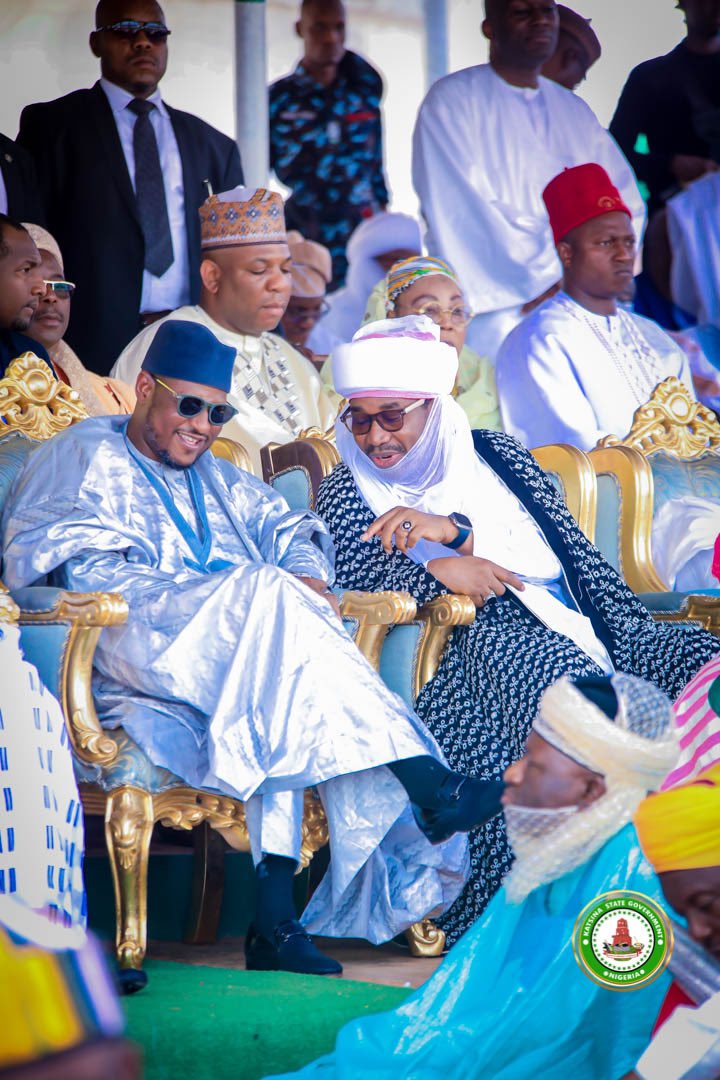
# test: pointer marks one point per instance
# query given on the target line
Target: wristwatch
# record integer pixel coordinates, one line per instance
(464, 527)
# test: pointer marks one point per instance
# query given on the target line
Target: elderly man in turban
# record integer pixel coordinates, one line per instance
(510, 1000)
(233, 670)
(245, 274)
(471, 512)
(679, 831)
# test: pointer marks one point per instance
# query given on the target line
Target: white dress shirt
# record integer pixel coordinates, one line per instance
(172, 290)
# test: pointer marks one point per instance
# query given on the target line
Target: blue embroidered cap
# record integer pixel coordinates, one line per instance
(188, 351)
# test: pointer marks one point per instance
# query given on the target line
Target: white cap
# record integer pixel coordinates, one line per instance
(395, 358)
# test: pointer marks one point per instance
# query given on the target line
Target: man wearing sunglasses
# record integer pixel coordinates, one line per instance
(21, 288)
(233, 670)
(422, 504)
(122, 175)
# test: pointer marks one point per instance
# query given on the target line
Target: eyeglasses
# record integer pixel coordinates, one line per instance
(359, 423)
(62, 289)
(301, 314)
(189, 405)
(459, 316)
(128, 29)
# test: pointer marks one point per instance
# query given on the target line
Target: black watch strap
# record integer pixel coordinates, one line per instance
(464, 526)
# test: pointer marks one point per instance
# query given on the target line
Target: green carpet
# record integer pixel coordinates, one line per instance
(210, 1023)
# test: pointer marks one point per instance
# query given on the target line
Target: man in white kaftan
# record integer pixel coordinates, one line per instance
(232, 670)
(579, 366)
(487, 141)
(246, 285)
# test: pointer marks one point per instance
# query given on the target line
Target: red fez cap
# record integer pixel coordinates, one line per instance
(578, 195)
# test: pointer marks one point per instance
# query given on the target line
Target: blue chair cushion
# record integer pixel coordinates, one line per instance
(295, 487)
(672, 601)
(398, 659)
(607, 528)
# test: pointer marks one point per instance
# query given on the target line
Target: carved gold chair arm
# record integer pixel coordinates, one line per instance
(9, 611)
(439, 618)
(86, 614)
(375, 613)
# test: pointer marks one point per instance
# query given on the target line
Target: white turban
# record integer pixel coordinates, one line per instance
(395, 358)
(634, 754)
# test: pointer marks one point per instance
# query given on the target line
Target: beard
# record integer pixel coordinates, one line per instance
(152, 440)
(20, 323)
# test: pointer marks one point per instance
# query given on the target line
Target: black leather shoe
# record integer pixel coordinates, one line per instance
(129, 981)
(466, 802)
(289, 949)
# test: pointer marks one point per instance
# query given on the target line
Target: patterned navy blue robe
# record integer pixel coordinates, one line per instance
(483, 699)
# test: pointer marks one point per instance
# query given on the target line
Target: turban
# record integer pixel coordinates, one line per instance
(311, 267)
(188, 351)
(578, 195)
(577, 27)
(621, 727)
(242, 216)
(679, 829)
(395, 358)
(406, 272)
(638, 748)
(45, 242)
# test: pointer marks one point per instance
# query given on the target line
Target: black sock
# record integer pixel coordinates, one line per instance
(274, 892)
(422, 778)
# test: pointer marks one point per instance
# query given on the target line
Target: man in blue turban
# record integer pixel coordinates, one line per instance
(233, 670)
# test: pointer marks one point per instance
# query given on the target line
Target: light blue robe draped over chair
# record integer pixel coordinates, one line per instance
(672, 451)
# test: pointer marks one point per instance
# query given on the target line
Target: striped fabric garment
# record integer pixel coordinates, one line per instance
(697, 712)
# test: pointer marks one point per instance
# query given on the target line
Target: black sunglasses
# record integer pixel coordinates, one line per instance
(189, 405)
(130, 28)
(359, 423)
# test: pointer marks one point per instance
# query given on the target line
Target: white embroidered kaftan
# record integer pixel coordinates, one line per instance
(566, 375)
(483, 151)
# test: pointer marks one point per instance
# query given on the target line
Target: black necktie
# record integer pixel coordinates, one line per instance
(150, 191)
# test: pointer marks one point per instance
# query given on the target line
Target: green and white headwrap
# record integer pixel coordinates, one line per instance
(406, 272)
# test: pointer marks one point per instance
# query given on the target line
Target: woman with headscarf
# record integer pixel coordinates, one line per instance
(373, 248)
(100, 395)
(429, 286)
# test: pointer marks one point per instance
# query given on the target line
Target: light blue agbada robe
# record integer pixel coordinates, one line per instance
(510, 1002)
(229, 671)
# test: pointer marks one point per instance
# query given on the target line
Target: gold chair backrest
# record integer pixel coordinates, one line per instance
(34, 402)
(671, 422)
(232, 451)
(577, 478)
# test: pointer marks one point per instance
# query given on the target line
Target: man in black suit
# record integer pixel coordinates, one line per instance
(122, 177)
(19, 194)
(21, 286)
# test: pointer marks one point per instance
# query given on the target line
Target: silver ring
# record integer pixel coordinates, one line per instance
(407, 525)
(489, 596)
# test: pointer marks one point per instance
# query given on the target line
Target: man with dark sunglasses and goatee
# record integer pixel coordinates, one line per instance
(233, 670)
(120, 171)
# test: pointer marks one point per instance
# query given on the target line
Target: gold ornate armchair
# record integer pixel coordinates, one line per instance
(672, 450)
(572, 473)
